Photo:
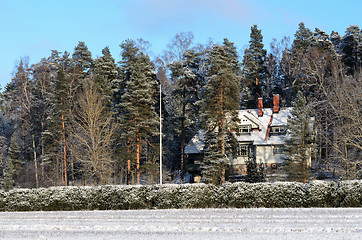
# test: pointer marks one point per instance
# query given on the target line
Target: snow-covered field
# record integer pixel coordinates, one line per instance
(261, 223)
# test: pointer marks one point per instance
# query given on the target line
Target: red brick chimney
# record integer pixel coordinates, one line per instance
(260, 107)
(276, 106)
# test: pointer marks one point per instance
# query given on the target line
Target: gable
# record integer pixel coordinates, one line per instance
(249, 119)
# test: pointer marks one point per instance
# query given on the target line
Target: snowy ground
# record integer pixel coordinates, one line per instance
(313, 223)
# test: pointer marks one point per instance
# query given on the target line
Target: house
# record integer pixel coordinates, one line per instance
(261, 134)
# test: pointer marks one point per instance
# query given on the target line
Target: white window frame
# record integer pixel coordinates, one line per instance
(277, 150)
(278, 130)
(244, 150)
(242, 129)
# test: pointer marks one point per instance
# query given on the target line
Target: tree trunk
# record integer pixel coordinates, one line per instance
(42, 149)
(35, 164)
(64, 148)
(128, 162)
(222, 130)
(138, 148)
(138, 157)
(326, 139)
(183, 134)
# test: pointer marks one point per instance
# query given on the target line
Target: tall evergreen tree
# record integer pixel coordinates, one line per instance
(254, 70)
(82, 58)
(82, 66)
(138, 117)
(336, 39)
(106, 71)
(302, 38)
(62, 99)
(299, 142)
(13, 165)
(351, 47)
(189, 79)
(219, 107)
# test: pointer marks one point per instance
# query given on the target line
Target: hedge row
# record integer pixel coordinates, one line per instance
(236, 195)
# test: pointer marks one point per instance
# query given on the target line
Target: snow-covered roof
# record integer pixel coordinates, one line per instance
(249, 117)
(196, 145)
(257, 137)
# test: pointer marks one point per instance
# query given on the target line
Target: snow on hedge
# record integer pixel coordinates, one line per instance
(236, 195)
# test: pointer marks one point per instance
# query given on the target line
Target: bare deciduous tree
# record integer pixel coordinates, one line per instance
(92, 133)
(344, 98)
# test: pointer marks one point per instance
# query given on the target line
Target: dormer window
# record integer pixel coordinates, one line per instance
(244, 129)
(277, 130)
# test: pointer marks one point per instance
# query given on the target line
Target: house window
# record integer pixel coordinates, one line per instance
(245, 150)
(277, 150)
(278, 130)
(244, 129)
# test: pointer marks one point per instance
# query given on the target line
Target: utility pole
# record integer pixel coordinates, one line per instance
(160, 134)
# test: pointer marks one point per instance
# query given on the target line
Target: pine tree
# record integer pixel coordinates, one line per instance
(82, 65)
(318, 63)
(322, 42)
(45, 109)
(189, 80)
(105, 71)
(82, 58)
(219, 107)
(56, 137)
(302, 38)
(336, 39)
(351, 47)
(138, 117)
(254, 71)
(299, 142)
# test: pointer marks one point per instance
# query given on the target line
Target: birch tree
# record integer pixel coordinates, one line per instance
(92, 134)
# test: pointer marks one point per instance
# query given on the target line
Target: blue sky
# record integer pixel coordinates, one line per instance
(34, 27)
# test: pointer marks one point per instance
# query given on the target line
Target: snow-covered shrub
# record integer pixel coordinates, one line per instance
(165, 196)
(107, 198)
(199, 196)
(2, 200)
(321, 194)
(349, 194)
(137, 197)
(183, 196)
(280, 194)
(120, 197)
(72, 198)
(239, 195)
(221, 196)
(19, 200)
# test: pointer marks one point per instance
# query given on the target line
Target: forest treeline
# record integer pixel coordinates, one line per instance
(75, 119)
